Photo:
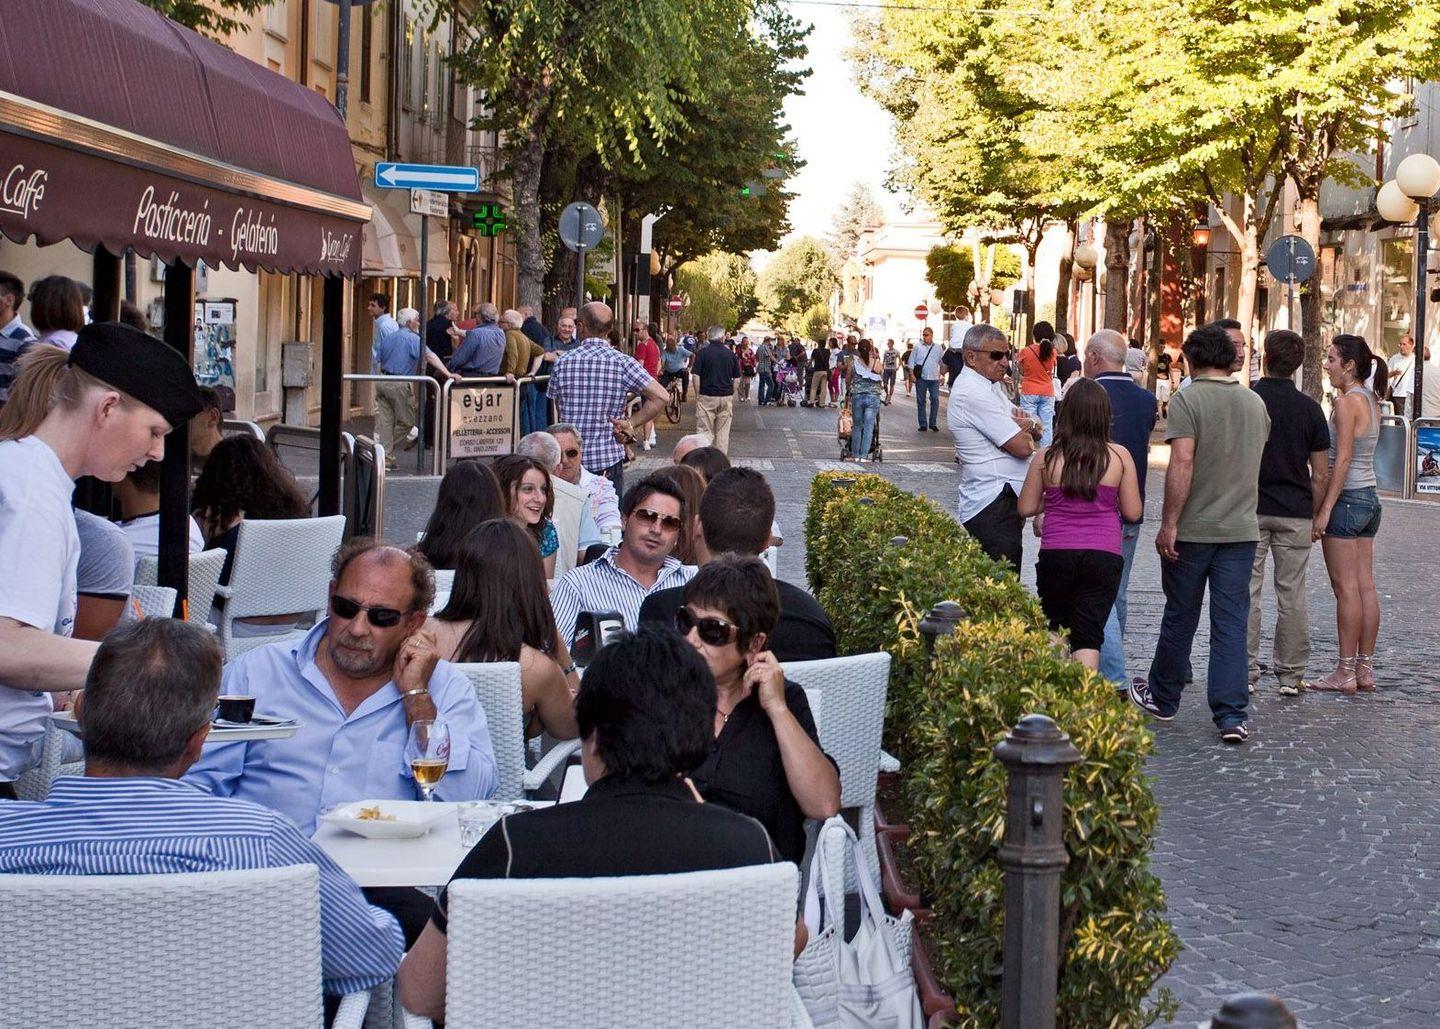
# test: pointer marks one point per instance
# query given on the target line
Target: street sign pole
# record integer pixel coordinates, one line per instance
(342, 59)
(579, 278)
(420, 359)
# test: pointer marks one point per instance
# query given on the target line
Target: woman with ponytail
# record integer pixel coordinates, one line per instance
(1037, 378)
(1348, 515)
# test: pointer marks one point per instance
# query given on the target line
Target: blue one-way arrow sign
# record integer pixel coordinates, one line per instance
(442, 177)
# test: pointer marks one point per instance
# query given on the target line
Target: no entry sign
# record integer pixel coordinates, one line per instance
(922, 312)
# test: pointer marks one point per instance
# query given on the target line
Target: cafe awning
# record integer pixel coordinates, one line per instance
(392, 238)
(119, 128)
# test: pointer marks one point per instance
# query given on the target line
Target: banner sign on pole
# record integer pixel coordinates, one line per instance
(482, 420)
(1427, 459)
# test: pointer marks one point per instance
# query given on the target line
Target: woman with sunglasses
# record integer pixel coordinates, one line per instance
(525, 484)
(767, 761)
(469, 494)
(499, 610)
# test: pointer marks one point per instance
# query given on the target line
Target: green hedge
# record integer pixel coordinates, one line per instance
(944, 720)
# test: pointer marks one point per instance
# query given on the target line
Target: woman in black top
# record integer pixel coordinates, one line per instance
(766, 761)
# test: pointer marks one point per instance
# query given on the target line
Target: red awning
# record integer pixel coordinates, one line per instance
(119, 128)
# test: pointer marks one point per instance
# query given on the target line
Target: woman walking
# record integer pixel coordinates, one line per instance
(1349, 514)
(866, 372)
(1082, 485)
(1037, 378)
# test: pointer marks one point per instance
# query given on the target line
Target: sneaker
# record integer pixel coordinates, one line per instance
(1139, 693)
(1291, 689)
(411, 439)
(1252, 687)
(1234, 734)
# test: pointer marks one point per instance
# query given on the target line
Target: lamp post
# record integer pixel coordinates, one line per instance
(1403, 198)
(1087, 257)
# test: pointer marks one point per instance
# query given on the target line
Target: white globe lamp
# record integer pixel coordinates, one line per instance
(1418, 176)
(1086, 256)
(1394, 205)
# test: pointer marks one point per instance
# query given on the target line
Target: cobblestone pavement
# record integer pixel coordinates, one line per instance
(1302, 863)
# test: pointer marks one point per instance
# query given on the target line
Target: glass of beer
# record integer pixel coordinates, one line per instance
(428, 751)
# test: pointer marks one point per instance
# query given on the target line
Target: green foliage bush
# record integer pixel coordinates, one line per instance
(945, 717)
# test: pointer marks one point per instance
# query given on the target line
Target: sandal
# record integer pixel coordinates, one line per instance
(1342, 680)
(1365, 673)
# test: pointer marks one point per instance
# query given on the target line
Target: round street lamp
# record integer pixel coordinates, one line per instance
(1086, 258)
(1394, 205)
(1404, 198)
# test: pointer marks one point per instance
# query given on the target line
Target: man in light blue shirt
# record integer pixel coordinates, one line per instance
(397, 353)
(146, 711)
(483, 348)
(378, 308)
(355, 684)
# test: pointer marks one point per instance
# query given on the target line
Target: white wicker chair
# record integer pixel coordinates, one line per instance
(161, 951)
(498, 689)
(697, 949)
(35, 783)
(281, 566)
(853, 694)
(152, 601)
(205, 568)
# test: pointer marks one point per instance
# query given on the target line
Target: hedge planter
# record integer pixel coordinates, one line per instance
(898, 897)
(884, 826)
(938, 1005)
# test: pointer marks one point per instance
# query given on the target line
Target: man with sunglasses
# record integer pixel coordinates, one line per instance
(621, 578)
(355, 683)
(993, 443)
(604, 503)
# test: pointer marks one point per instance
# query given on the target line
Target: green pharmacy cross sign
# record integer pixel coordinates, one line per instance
(489, 220)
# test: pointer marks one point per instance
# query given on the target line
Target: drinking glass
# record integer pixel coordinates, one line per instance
(428, 751)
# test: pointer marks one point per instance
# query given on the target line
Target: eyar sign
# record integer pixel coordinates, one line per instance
(482, 420)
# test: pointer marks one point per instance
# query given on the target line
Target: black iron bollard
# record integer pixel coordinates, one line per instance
(941, 621)
(1035, 755)
(1253, 1011)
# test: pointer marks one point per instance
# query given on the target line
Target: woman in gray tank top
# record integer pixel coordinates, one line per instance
(1349, 514)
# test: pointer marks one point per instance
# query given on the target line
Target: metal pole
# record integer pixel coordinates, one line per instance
(174, 563)
(421, 391)
(580, 278)
(1035, 755)
(1422, 263)
(332, 354)
(342, 59)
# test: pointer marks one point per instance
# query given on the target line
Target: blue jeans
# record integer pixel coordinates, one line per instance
(1112, 652)
(863, 407)
(767, 387)
(534, 409)
(1042, 408)
(927, 388)
(1225, 568)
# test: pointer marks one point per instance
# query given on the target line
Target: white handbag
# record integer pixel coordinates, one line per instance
(865, 982)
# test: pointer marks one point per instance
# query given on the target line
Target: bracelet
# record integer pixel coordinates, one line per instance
(422, 692)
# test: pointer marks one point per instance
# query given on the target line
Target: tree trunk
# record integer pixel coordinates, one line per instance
(530, 257)
(1249, 245)
(1117, 268)
(1311, 377)
(1062, 287)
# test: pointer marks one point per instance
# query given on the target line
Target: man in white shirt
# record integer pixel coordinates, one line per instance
(960, 326)
(604, 502)
(993, 443)
(1402, 375)
(925, 361)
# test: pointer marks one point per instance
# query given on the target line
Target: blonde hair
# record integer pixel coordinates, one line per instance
(45, 380)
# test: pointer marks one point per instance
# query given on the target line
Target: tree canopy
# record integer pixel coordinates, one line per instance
(719, 290)
(208, 17)
(859, 210)
(800, 277)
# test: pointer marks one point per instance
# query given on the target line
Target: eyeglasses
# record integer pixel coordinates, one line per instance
(380, 617)
(670, 523)
(715, 632)
(996, 355)
(571, 455)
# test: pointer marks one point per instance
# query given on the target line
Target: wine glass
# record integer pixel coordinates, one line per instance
(428, 751)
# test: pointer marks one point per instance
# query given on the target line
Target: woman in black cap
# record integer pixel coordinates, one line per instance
(114, 398)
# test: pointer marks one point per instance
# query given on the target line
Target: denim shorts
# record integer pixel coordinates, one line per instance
(1356, 515)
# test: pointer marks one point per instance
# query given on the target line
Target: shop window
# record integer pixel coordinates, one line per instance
(1397, 294)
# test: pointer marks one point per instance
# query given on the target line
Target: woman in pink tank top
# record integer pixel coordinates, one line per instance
(1078, 489)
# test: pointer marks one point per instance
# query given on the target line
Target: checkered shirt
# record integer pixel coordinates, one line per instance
(589, 385)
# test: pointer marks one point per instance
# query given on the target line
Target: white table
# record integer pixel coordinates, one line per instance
(218, 733)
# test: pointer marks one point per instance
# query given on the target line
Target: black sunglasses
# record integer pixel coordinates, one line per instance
(380, 617)
(670, 523)
(571, 455)
(997, 355)
(714, 631)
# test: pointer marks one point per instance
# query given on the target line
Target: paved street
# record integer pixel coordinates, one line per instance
(1301, 863)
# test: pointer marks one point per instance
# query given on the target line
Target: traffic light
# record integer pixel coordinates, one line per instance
(489, 220)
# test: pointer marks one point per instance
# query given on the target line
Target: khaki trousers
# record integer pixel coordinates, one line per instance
(819, 381)
(712, 419)
(394, 415)
(1287, 540)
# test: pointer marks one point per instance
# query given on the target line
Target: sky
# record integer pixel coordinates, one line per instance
(842, 136)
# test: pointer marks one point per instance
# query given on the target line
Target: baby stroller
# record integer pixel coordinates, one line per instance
(787, 384)
(844, 429)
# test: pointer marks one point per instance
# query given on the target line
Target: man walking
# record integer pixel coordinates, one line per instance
(819, 376)
(396, 354)
(378, 307)
(1132, 419)
(482, 351)
(591, 386)
(925, 363)
(765, 369)
(993, 442)
(1294, 473)
(716, 369)
(1208, 533)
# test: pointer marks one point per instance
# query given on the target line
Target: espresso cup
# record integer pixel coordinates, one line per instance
(236, 708)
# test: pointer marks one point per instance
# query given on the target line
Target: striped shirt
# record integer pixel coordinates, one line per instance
(603, 586)
(590, 385)
(154, 826)
(14, 339)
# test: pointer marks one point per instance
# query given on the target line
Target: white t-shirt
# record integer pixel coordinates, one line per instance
(979, 417)
(40, 550)
(144, 533)
(1402, 375)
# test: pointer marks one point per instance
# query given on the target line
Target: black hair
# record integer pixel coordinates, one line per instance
(1354, 348)
(648, 487)
(1044, 334)
(469, 493)
(708, 461)
(57, 303)
(1210, 347)
(1082, 438)
(511, 470)
(500, 590)
(649, 699)
(382, 300)
(242, 476)
(1228, 323)
(1284, 351)
(736, 512)
(739, 586)
(13, 287)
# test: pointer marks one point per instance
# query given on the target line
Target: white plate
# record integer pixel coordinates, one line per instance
(410, 818)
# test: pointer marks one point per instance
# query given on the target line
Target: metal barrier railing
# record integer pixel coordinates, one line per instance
(1424, 471)
(489, 414)
(437, 461)
(233, 427)
(1394, 457)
